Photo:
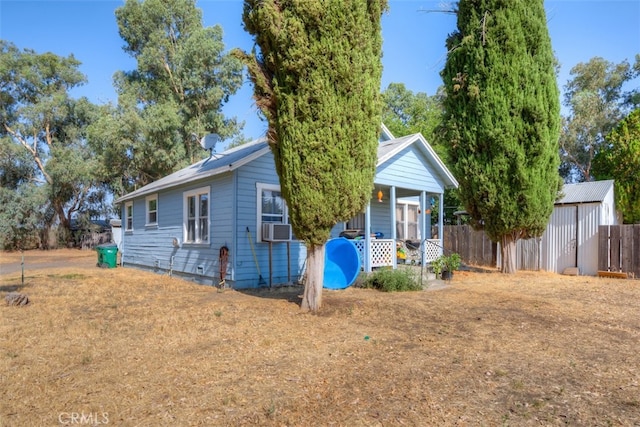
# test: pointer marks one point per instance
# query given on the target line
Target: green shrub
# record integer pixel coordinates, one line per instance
(388, 280)
(446, 263)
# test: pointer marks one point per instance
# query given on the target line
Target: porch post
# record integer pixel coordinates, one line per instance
(392, 203)
(441, 222)
(423, 225)
(367, 239)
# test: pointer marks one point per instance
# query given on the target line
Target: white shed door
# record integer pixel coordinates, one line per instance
(563, 237)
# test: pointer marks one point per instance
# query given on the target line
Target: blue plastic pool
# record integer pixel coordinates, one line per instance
(341, 264)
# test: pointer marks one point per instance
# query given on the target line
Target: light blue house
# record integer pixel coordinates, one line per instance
(225, 217)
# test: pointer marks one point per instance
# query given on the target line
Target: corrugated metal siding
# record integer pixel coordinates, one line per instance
(571, 239)
(559, 240)
(586, 192)
(528, 254)
(589, 219)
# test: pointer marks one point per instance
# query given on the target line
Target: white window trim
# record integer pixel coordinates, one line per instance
(126, 216)
(405, 207)
(185, 216)
(260, 186)
(147, 211)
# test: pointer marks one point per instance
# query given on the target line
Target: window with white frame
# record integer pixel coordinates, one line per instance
(407, 215)
(196, 216)
(152, 209)
(271, 206)
(128, 216)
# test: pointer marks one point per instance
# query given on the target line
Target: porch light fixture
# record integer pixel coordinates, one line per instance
(380, 196)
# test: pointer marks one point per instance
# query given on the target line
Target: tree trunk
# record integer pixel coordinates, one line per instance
(312, 299)
(508, 250)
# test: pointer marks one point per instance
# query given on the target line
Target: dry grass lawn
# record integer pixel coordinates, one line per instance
(129, 348)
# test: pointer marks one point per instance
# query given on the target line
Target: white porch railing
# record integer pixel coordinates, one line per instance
(433, 248)
(383, 251)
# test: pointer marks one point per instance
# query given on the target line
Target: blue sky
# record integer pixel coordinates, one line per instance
(413, 49)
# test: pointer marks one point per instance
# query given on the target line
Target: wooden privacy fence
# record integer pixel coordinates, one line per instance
(619, 249)
(474, 247)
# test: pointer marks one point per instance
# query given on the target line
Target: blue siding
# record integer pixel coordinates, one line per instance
(233, 210)
(152, 247)
(403, 168)
(380, 215)
(261, 170)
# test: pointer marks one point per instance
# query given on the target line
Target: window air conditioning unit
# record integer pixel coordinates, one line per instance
(276, 232)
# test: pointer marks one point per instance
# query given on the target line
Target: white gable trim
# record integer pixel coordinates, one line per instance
(386, 134)
(424, 145)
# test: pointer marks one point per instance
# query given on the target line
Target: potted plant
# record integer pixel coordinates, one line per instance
(445, 265)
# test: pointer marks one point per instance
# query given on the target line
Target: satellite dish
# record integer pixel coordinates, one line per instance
(209, 141)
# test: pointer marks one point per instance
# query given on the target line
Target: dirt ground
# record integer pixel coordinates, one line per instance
(130, 348)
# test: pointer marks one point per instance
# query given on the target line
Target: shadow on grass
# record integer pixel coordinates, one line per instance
(290, 293)
(11, 288)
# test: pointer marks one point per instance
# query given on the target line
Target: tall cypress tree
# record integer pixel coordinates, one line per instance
(317, 81)
(502, 118)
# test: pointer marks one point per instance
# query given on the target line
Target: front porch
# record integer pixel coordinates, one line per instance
(409, 184)
(400, 227)
(384, 252)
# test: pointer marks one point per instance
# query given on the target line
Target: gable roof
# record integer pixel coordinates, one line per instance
(388, 149)
(238, 156)
(218, 163)
(585, 192)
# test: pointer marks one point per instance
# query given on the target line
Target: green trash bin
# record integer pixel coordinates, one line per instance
(107, 255)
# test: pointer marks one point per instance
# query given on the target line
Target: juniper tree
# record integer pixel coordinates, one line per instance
(502, 118)
(316, 79)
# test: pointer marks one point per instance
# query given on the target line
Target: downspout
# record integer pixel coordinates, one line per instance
(423, 226)
(122, 235)
(367, 238)
(235, 227)
(577, 233)
(392, 203)
(441, 222)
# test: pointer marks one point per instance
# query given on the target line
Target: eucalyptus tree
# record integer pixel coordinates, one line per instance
(502, 118)
(619, 159)
(316, 79)
(44, 124)
(597, 97)
(405, 112)
(172, 99)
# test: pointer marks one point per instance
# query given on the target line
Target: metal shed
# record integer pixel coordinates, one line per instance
(571, 238)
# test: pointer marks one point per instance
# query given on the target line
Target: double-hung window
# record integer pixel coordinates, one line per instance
(196, 216)
(128, 216)
(271, 206)
(152, 210)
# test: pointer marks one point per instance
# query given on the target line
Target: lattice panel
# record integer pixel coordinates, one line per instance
(382, 252)
(432, 249)
(360, 247)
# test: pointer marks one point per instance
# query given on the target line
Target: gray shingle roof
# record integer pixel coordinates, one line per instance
(238, 156)
(214, 165)
(585, 192)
